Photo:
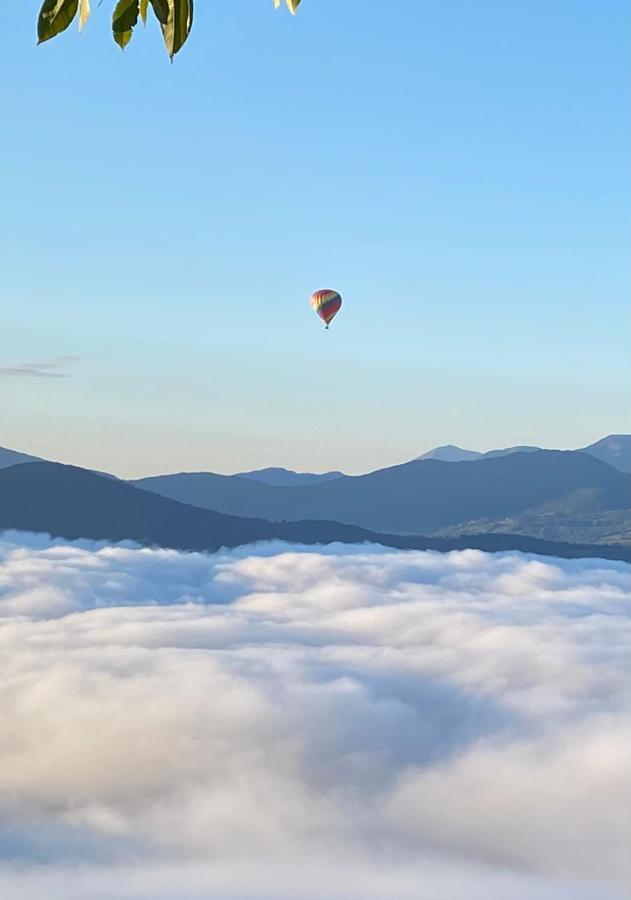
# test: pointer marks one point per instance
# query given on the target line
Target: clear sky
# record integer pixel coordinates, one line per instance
(458, 171)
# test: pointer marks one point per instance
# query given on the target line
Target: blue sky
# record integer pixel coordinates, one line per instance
(457, 171)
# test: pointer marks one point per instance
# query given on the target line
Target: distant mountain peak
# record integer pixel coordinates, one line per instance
(615, 450)
(506, 451)
(279, 477)
(14, 457)
(450, 453)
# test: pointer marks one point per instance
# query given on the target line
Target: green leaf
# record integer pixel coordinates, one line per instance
(178, 26)
(161, 10)
(54, 17)
(84, 12)
(122, 38)
(123, 21)
(125, 15)
(143, 10)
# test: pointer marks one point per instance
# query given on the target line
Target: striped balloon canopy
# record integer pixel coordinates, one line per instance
(326, 304)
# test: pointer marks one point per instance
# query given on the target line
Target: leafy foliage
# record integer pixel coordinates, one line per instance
(175, 18)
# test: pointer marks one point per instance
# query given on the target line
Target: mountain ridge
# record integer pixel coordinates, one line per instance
(277, 476)
(69, 502)
(420, 496)
(571, 496)
(10, 457)
(613, 449)
(452, 453)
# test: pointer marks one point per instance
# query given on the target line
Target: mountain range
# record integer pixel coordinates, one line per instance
(615, 450)
(427, 496)
(68, 502)
(573, 497)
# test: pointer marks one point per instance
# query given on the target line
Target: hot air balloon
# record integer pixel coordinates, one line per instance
(326, 304)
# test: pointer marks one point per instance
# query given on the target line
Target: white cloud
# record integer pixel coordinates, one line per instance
(279, 722)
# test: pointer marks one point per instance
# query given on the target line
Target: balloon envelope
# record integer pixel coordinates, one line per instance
(326, 304)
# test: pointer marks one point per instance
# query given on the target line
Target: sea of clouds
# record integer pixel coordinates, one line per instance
(352, 723)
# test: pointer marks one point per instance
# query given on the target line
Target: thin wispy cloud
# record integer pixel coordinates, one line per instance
(53, 368)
